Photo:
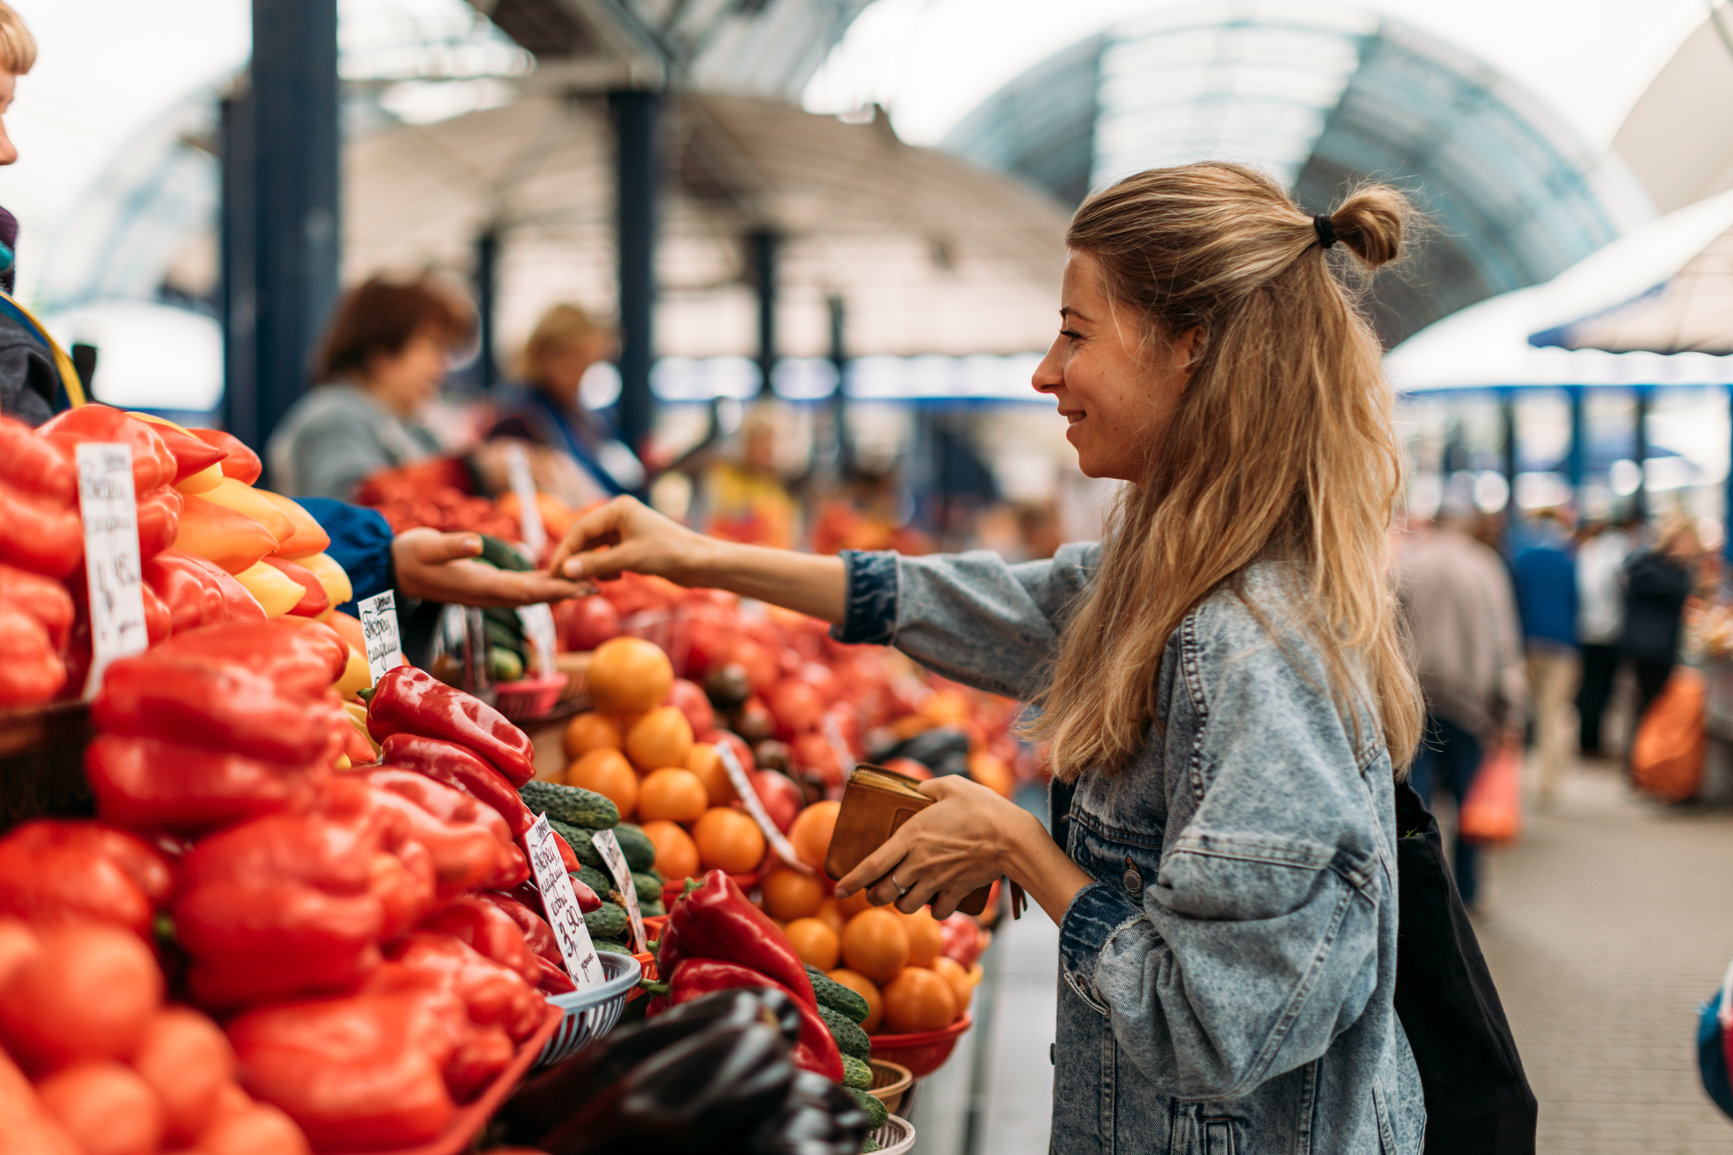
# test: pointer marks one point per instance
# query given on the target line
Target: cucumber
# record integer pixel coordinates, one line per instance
(579, 839)
(501, 638)
(504, 555)
(652, 909)
(570, 805)
(648, 886)
(876, 1113)
(856, 1073)
(837, 997)
(609, 922)
(611, 946)
(504, 665)
(640, 852)
(508, 620)
(850, 1039)
(596, 881)
(869, 1145)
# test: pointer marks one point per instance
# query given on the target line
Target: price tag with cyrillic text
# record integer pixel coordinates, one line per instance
(538, 623)
(560, 903)
(749, 796)
(379, 627)
(114, 576)
(523, 484)
(609, 848)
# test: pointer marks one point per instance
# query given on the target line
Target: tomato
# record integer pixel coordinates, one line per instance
(106, 1108)
(815, 943)
(676, 856)
(822, 679)
(629, 674)
(796, 706)
(789, 894)
(690, 700)
(729, 840)
(876, 943)
(742, 752)
(188, 1063)
(957, 975)
(591, 731)
(754, 721)
(256, 1129)
(814, 754)
(88, 993)
(918, 1000)
(585, 623)
(866, 989)
(727, 687)
(926, 940)
(962, 936)
(760, 663)
(609, 774)
(812, 830)
(676, 795)
(662, 737)
(782, 799)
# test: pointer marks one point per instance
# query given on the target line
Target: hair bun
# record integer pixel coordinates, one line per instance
(1371, 221)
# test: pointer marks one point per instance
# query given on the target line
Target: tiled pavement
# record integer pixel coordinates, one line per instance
(1606, 925)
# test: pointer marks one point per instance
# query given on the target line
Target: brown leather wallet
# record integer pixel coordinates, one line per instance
(875, 803)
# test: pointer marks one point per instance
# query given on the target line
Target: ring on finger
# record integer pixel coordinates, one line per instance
(901, 889)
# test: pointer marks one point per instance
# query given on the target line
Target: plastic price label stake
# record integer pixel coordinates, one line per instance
(609, 848)
(379, 627)
(749, 795)
(113, 572)
(523, 483)
(560, 902)
(538, 623)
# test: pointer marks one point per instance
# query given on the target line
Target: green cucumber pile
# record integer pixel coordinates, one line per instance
(577, 815)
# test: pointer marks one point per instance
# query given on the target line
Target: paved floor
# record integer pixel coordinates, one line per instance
(1606, 925)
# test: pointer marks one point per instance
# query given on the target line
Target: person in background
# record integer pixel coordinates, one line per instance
(1545, 575)
(1457, 596)
(748, 499)
(546, 412)
(385, 356)
(1657, 582)
(1600, 615)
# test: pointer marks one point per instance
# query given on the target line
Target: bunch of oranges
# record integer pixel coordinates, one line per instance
(641, 754)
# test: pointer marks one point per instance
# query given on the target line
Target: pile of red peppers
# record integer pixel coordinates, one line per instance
(716, 940)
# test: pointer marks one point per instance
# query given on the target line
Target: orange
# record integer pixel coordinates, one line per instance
(866, 989)
(628, 674)
(609, 774)
(957, 975)
(990, 771)
(676, 795)
(662, 737)
(791, 894)
(811, 832)
(815, 943)
(918, 1000)
(728, 840)
(926, 940)
(591, 731)
(830, 913)
(876, 943)
(854, 904)
(676, 856)
(705, 762)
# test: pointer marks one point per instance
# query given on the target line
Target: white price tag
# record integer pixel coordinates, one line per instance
(749, 795)
(609, 848)
(538, 622)
(113, 573)
(379, 627)
(523, 483)
(838, 746)
(560, 903)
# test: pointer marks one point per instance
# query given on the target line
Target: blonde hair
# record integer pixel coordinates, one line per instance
(1281, 445)
(17, 46)
(560, 328)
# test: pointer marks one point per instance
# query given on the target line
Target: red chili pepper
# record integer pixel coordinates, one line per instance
(460, 768)
(152, 463)
(159, 520)
(411, 701)
(568, 857)
(588, 899)
(152, 784)
(36, 465)
(715, 921)
(315, 601)
(242, 463)
(52, 871)
(488, 929)
(496, 994)
(31, 671)
(816, 1051)
(42, 598)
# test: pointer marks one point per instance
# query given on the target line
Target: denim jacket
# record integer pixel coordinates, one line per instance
(1226, 981)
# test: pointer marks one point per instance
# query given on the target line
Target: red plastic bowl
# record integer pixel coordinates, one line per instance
(924, 1051)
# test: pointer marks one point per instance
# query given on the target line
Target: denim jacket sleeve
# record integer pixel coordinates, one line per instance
(1258, 944)
(972, 617)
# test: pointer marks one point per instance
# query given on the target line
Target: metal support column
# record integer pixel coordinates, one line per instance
(1640, 451)
(839, 399)
(762, 246)
(239, 271)
(297, 239)
(486, 294)
(1507, 412)
(635, 115)
(1578, 444)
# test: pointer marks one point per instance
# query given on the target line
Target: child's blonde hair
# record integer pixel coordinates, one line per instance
(17, 46)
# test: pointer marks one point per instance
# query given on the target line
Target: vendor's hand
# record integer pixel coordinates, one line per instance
(637, 539)
(952, 848)
(437, 567)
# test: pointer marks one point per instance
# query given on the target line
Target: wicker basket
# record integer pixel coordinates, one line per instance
(896, 1137)
(529, 698)
(891, 1081)
(922, 1052)
(592, 1013)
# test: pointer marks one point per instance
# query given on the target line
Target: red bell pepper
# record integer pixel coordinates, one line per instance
(315, 601)
(36, 465)
(42, 598)
(457, 766)
(216, 706)
(355, 1073)
(195, 596)
(238, 603)
(29, 1127)
(31, 670)
(303, 658)
(52, 871)
(816, 1051)
(41, 535)
(152, 783)
(411, 701)
(471, 1054)
(488, 929)
(152, 463)
(531, 898)
(191, 455)
(159, 520)
(465, 855)
(158, 621)
(538, 935)
(436, 798)
(242, 463)
(495, 994)
(715, 921)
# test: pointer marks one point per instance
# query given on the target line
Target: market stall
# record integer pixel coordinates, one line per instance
(266, 887)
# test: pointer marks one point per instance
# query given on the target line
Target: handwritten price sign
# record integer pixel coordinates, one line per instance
(560, 902)
(379, 627)
(114, 575)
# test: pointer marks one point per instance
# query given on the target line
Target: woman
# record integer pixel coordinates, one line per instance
(384, 358)
(1222, 680)
(1657, 585)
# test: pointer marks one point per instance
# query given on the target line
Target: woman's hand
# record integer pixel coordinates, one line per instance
(635, 537)
(436, 567)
